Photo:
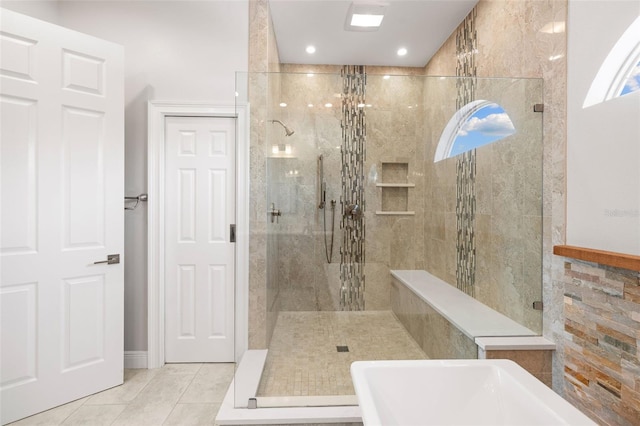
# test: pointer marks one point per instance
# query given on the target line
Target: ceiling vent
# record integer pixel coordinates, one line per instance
(365, 16)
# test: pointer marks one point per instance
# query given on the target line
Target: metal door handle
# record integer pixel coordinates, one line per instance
(112, 259)
(274, 213)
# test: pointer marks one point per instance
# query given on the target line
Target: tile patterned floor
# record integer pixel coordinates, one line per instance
(176, 394)
(303, 358)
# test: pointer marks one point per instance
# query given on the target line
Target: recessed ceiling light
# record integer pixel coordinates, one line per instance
(328, 105)
(553, 27)
(402, 51)
(386, 77)
(283, 104)
(310, 74)
(310, 105)
(311, 49)
(360, 105)
(363, 16)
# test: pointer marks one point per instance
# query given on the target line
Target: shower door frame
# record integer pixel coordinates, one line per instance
(157, 112)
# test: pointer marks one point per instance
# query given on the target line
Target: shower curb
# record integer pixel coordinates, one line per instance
(248, 373)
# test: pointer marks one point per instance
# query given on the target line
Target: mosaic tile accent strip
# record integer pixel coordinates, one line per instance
(466, 49)
(353, 152)
(303, 359)
(602, 335)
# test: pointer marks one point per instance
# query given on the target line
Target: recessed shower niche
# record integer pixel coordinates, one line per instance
(395, 187)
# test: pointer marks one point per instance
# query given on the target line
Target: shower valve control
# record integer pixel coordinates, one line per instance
(274, 213)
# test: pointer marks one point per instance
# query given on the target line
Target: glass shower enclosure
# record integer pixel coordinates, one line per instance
(355, 173)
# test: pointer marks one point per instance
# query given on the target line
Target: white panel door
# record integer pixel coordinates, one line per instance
(61, 210)
(200, 259)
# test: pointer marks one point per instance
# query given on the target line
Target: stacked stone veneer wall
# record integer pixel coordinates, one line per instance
(602, 332)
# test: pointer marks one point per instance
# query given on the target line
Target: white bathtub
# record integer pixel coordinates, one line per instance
(457, 392)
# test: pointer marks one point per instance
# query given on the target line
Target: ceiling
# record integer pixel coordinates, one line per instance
(420, 26)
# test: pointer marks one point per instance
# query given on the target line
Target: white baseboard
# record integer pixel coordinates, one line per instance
(135, 359)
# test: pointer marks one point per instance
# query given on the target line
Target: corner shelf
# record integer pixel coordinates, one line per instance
(396, 185)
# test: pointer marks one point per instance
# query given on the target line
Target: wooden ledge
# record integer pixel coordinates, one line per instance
(609, 258)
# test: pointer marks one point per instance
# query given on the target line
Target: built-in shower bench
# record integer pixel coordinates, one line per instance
(449, 324)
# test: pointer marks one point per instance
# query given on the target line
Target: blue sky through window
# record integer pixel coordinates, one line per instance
(488, 124)
(633, 82)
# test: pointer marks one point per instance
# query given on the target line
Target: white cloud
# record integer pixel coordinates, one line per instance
(492, 124)
(633, 82)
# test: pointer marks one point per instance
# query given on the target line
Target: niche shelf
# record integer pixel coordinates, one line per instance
(396, 185)
(397, 213)
(395, 189)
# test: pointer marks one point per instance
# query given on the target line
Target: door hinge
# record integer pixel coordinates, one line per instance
(232, 233)
(253, 403)
(537, 305)
(538, 108)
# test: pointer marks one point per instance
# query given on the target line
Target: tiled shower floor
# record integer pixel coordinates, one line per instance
(303, 358)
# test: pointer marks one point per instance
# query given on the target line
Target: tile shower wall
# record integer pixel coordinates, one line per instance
(307, 281)
(394, 134)
(263, 57)
(508, 187)
(508, 192)
(517, 38)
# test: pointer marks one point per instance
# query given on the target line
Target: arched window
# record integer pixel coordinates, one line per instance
(619, 74)
(476, 124)
(633, 82)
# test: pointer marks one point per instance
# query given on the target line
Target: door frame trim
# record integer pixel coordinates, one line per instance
(157, 113)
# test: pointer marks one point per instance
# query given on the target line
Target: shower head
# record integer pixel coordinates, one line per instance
(288, 131)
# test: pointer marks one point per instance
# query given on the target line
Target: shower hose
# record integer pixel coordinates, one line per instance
(328, 251)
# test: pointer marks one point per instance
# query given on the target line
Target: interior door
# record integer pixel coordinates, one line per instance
(62, 176)
(199, 255)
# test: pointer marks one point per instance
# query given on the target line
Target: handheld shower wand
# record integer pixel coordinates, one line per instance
(322, 188)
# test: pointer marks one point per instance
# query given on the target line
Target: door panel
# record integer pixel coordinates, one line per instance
(217, 216)
(18, 305)
(83, 139)
(18, 142)
(200, 259)
(62, 162)
(84, 322)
